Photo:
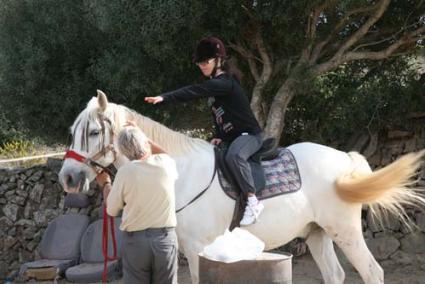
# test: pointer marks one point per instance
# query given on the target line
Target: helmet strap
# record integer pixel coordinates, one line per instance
(216, 68)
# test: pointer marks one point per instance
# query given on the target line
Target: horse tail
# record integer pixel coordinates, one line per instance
(390, 187)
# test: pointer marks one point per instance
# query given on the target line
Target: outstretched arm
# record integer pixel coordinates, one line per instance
(209, 88)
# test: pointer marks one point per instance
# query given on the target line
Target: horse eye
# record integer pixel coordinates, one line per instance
(94, 133)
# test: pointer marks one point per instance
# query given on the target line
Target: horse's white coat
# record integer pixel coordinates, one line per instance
(314, 212)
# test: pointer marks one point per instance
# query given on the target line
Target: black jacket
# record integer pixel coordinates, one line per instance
(229, 105)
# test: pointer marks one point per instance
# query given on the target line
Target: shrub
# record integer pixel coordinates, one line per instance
(8, 132)
(18, 149)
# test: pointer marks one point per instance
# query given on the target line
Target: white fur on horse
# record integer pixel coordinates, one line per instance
(325, 211)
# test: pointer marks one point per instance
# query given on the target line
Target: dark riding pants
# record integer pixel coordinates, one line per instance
(237, 157)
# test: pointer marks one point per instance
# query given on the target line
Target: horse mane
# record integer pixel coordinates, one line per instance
(171, 141)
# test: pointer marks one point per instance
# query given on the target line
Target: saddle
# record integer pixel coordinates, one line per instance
(267, 152)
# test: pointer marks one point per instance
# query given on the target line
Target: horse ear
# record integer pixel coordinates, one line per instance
(102, 100)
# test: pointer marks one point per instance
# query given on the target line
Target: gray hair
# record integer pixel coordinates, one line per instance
(133, 143)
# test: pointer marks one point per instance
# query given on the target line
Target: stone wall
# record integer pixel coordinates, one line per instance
(31, 198)
(392, 241)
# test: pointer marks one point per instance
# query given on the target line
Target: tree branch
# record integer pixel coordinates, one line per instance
(371, 55)
(249, 56)
(393, 36)
(341, 24)
(261, 79)
(381, 7)
(265, 59)
(378, 55)
(313, 19)
(266, 72)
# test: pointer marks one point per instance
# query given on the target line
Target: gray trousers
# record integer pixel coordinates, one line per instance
(150, 256)
(237, 155)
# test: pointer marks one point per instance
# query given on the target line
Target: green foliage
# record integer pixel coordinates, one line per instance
(17, 149)
(45, 48)
(148, 51)
(54, 54)
(365, 97)
(8, 132)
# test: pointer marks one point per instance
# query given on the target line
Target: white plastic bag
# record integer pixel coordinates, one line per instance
(234, 246)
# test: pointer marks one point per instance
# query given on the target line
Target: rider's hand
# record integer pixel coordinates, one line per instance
(130, 123)
(154, 100)
(102, 179)
(215, 141)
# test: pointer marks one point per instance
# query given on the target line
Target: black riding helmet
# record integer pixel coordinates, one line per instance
(209, 47)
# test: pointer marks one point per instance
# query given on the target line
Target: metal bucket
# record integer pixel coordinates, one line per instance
(267, 268)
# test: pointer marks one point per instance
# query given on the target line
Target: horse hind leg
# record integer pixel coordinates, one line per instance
(322, 249)
(350, 240)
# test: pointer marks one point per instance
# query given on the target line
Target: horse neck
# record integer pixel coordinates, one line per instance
(174, 143)
(194, 157)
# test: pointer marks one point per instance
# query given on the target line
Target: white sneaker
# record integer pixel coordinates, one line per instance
(251, 213)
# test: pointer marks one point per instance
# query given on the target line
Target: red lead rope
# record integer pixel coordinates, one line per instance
(106, 257)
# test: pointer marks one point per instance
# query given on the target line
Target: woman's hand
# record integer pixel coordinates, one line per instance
(102, 179)
(216, 141)
(130, 123)
(154, 100)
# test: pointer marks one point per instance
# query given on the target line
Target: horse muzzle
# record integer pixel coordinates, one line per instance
(73, 181)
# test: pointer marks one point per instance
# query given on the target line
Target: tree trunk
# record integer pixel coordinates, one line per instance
(276, 116)
(257, 104)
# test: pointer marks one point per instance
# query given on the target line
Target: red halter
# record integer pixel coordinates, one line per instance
(70, 154)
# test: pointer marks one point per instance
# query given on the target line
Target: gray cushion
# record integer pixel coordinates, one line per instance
(92, 272)
(60, 244)
(61, 240)
(91, 268)
(76, 200)
(91, 242)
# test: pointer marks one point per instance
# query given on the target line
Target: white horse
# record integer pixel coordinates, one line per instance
(327, 209)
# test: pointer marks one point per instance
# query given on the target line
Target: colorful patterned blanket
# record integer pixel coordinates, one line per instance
(282, 177)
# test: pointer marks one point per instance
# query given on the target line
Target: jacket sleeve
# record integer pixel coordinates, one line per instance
(211, 88)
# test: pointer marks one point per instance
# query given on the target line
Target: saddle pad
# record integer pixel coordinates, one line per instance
(282, 177)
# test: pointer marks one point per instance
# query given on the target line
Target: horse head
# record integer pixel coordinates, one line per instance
(92, 148)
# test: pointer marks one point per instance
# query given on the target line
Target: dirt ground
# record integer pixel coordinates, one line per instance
(305, 271)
